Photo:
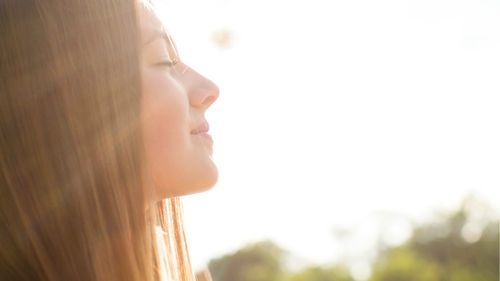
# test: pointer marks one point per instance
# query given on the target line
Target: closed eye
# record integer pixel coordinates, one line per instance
(167, 63)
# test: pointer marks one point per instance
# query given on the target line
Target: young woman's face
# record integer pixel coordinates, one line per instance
(175, 98)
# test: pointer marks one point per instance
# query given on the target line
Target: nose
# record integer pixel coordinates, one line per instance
(203, 92)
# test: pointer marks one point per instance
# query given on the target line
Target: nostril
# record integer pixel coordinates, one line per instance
(209, 100)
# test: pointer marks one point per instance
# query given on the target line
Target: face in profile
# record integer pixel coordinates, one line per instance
(175, 131)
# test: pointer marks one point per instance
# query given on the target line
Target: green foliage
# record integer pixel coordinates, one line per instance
(462, 246)
(263, 261)
(257, 262)
(405, 264)
(335, 273)
(439, 251)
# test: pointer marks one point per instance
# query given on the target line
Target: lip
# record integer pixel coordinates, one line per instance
(205, 139)
(202, 132)
(201, 129)
(205, 135)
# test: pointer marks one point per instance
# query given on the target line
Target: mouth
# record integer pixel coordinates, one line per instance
(202, 132)
(201, 129)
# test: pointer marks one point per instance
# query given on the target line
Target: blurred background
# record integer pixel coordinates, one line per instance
(355, 139)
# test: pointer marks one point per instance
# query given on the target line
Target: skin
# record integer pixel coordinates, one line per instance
(175, 99)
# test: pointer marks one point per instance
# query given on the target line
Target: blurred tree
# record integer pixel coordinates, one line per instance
(460, 246)
(261, 261)
(333, 273)
(264, 261)
(404, 264)
(463, 246)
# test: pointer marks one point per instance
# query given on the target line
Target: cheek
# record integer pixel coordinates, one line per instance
(163, 98)
(165, 117)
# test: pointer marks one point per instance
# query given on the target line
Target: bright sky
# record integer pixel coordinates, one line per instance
(335, 112)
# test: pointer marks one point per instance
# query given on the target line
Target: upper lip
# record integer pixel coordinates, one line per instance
(202, 128)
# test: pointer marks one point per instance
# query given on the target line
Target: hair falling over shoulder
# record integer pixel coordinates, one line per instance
(72, 194)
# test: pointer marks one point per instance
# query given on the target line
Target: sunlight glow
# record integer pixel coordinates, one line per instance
(331, 111)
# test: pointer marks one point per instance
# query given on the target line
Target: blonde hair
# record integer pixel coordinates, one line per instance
(73, 203)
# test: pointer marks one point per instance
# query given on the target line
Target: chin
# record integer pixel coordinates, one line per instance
(201, 181)
(209, 179)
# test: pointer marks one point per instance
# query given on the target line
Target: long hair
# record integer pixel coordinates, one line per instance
(73, 203)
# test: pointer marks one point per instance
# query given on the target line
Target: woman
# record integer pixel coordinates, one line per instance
(102, 128)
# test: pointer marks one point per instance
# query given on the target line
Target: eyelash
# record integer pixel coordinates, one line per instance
(167, 63)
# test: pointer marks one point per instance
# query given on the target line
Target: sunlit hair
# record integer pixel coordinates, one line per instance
(73, 203)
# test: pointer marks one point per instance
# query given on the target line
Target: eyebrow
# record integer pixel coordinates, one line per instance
(157, 33)
(163, 34)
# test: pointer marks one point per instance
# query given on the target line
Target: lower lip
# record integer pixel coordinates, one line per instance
(205, 136)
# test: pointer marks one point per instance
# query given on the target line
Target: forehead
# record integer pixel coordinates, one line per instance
(149, 23)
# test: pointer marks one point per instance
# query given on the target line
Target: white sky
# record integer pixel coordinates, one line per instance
(332, 113)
